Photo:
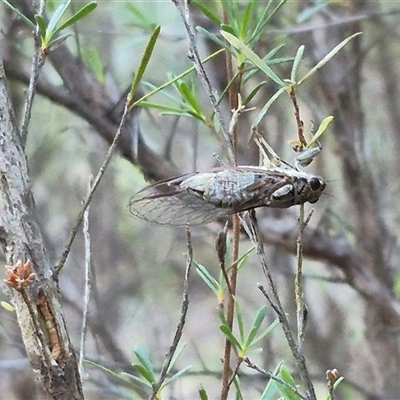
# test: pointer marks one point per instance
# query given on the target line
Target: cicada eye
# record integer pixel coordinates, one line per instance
(315, 183)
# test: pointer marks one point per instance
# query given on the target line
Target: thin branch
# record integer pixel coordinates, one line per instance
(194, 53)
(182, 319)
(277, 306)
(276, 378)
(96, 183)
(37, 63)
(88, 284)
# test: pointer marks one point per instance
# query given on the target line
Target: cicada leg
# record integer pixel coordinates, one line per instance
(305, 156)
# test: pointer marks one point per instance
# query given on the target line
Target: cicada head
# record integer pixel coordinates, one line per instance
(302, 189)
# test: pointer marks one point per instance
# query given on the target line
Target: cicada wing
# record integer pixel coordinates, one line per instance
(174, 207)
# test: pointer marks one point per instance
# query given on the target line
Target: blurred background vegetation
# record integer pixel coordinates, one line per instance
(351, 267)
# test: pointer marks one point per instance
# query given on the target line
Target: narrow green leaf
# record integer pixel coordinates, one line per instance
(173, 80)
(239, 318)
(176, 355)
(7, 306)
(253, 93)
(285, 374)
(144, 373)
(228, 29)
(236, 382)
(85, 10)
(210, 281)
(216, 40)
(271, 391)
(144, 62)
(206, 11)
(244, 21)
(330, 55)
(264, 110)
(310, 11)
(117, 375)
(228, 333)
(55, 19)
(174, 377)
(142, 19)
(296, 63)
(136, 379)
(259, 318)
(253, 57)
(338, 382)
(263, 20)
(42, 26)
(60, 39)
(244, 257)
(142, 356)
(189, 96)
(267, 58)
(232, 13)
(91, 57)
(19, 13)
(321, 130)
(202, 393)
(266, 331)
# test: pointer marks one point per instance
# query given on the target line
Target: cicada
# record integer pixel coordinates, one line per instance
(202, 197)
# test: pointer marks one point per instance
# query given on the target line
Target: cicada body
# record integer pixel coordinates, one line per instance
(204, 197)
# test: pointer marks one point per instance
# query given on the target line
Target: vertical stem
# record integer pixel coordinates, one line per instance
(298, 287)
(233, 104)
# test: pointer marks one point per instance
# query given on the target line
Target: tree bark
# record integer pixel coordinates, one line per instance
(32, 286)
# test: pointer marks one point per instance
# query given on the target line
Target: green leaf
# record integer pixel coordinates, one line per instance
(144, 372)
(245, 20)
(142, 19)
(85, 10)
(206, 11)
(53, 44)
(118, 375)
(321, 129)
(264, 110)
(216, 40)
(266, 331)
(142, 356)
(176, 355)
(240, 322)
(259, 318)
(286, 376)
(296, 63)
(253, 57)
(144, 62)
(202, 393)
(189, 96)
(7, 306)
(244, 257)
(210, 281)
(271, 391)
(174, 377)
(19, 13)
(330, 55)
(263, 20)
(42, 26)
(228, 29)
(236, 382)
(173, 80)
(228, 333)
(91, 57)
(55, 19)
(136, 379)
